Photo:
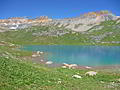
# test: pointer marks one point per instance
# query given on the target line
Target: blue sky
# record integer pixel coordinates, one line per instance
(55, 8)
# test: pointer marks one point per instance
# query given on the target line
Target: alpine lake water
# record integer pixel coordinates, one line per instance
(81, 55)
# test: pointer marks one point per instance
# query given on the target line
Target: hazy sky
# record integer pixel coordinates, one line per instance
(55, 8)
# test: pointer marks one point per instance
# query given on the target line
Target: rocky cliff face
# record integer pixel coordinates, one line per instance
(82, 23)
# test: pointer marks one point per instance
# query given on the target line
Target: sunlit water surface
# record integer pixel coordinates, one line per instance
(82, 55)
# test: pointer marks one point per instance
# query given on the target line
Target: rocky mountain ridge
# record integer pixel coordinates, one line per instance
(79, 24)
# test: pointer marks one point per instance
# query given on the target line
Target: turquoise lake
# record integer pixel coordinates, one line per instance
(81, 55)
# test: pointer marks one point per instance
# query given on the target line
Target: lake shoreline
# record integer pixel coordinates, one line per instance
(83, 56)
(40, 60)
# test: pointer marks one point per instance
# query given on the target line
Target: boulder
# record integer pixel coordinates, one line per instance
(38, 52)
(49, 62)
(41, 60)
(41, 52)
(91, 73)
(34, 55)
(88, 67)
(64, 67)
(70, 65)
(76, 76)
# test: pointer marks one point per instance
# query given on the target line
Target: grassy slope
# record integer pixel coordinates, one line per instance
(25, 37)
(109, 26)
(16, 74)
